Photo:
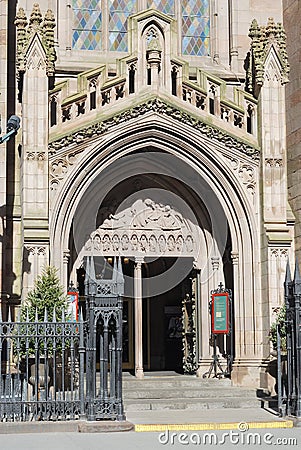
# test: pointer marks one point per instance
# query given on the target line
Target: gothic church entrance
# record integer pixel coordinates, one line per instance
(161, 231)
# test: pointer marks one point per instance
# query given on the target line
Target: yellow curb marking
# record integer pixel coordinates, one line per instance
(140, 428)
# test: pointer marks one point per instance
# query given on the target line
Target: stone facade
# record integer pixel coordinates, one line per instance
(292, 15)
(148, 147)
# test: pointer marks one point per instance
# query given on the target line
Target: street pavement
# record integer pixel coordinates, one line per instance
(220, 428)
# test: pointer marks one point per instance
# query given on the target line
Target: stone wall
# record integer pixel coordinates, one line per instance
(292, 19)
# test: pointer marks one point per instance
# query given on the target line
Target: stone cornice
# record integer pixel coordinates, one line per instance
(160, 107)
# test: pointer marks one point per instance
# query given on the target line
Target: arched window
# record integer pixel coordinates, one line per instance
(119, 11)
(87, 23)
(166, 6)
(195, 27)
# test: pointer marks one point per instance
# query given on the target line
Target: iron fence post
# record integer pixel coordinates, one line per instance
(81, 366)
(297, 295)
(279, 374)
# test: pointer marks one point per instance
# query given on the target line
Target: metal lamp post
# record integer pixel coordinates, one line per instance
(12, 128)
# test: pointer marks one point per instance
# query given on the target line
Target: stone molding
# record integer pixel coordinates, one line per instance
(160, 107)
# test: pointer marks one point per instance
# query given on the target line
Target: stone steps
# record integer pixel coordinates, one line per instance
(184, 392)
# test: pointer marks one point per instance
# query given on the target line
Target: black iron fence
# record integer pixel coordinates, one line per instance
(289, 359)
(42, 370)
(63, 370)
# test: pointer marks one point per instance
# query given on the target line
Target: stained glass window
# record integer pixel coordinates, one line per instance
(86, 25)
(119, 11)
(195, 27)
(166, 6)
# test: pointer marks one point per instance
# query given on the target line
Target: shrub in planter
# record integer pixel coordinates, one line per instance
(47, 294)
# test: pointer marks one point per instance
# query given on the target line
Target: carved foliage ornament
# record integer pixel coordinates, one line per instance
(262, 38)
(25, 33)
(163, 108)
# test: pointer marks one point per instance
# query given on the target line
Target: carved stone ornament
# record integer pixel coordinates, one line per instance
(36, 156)
(262, 39)
(59, 167)
(145, 228)
(159, 107)
(279, 253)
(274, 162)
(44, 28)
(36, 250)
(245, 172)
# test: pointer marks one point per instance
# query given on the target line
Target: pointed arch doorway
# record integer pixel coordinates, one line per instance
(159, 245)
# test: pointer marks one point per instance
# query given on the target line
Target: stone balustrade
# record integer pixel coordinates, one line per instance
(205, 97)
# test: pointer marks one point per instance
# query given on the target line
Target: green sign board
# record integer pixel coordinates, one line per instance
(220, 313)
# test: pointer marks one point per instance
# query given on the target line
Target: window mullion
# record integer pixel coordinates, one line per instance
(105, 26)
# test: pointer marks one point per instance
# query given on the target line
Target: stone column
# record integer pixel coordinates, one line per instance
(138, 317)
(66, 256)
(154, 61)
(234, 63)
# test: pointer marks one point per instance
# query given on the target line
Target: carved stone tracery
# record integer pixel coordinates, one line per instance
(245, 172)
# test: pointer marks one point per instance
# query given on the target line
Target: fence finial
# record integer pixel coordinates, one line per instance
(288, 277)
(54, 315)
(9, 315)
(297, 278)
(120, 278)
(114, 276)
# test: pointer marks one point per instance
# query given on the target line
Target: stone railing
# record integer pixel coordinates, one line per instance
(98, 93)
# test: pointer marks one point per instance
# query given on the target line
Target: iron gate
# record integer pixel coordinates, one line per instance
(289, 364)
(60, 370)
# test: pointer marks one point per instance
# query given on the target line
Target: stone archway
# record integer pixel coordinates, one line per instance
(145, 230)
(186, 150)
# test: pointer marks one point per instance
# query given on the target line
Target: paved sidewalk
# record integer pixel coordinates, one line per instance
(145, 421)
(207, 419)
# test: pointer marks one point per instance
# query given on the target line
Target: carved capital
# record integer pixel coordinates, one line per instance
(215, 261)
(235, 258)
(139, 260)
(66, 256)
